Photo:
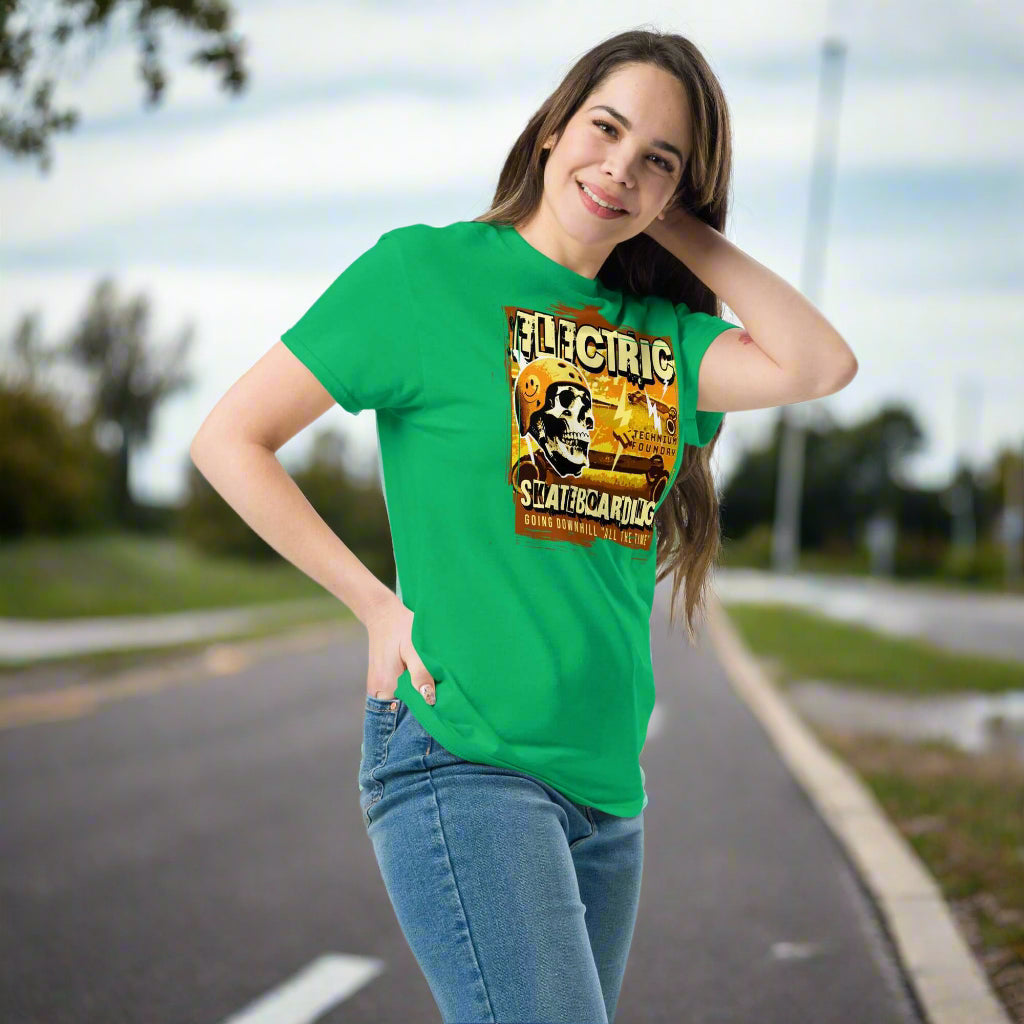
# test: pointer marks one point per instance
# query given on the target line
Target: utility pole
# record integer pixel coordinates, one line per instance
(968, 422)
(790, 475)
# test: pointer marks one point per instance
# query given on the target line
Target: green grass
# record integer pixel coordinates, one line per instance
(962, 814)
(808, 645)
(125, 574)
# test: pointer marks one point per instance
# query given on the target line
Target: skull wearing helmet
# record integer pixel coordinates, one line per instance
(554, 406)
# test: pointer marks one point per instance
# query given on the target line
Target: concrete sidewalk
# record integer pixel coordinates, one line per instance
(31, 640)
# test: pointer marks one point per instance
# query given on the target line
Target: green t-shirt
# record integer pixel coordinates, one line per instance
(529, 421)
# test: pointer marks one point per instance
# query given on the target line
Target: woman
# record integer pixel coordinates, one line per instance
(550, 382)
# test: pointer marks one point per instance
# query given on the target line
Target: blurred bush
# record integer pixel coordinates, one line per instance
(54, 478)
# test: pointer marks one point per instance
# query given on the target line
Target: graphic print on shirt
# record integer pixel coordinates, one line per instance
(594, 421)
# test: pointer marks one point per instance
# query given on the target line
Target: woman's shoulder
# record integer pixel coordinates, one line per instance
(461, 240)
(433, 234)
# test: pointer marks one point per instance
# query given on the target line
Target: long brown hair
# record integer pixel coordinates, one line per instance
(688, 528)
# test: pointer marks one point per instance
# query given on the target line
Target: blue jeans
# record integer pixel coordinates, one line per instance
(518, 903)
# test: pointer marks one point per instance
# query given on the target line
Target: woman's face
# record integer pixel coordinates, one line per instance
(634, 156)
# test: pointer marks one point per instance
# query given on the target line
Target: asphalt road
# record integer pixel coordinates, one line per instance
(172, 856)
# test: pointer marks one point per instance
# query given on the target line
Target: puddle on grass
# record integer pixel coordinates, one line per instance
(976, 723)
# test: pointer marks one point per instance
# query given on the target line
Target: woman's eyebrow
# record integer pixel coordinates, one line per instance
(657, 143)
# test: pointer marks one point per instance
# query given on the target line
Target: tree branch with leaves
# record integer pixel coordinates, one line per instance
(27, 28)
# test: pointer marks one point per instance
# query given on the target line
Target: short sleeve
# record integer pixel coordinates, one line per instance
(696, 332)
(357, 338)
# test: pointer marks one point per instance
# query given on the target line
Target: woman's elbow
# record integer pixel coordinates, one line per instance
(838, 381)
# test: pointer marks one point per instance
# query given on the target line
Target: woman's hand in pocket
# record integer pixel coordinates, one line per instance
(389, 629)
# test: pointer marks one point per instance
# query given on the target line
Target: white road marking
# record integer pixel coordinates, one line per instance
(312, 992)
(796, 950)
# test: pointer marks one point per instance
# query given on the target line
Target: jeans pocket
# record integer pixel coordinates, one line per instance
(380, 716)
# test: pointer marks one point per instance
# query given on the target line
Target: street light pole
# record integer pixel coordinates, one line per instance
(790, 475)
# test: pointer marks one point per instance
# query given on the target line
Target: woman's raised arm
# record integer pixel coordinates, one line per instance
(788, 351)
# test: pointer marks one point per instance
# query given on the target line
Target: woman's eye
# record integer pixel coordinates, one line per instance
(664, 162)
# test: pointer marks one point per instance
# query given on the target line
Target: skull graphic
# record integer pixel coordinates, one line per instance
(554, 406)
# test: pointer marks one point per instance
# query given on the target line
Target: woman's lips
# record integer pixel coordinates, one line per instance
(597, 208)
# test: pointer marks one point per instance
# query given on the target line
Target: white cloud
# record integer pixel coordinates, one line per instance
(372, 146)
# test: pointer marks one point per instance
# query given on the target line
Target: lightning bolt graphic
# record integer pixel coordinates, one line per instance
(621, 419)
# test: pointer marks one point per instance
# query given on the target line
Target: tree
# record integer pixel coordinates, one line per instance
(27, 133)
(128, 381)
(852, 472)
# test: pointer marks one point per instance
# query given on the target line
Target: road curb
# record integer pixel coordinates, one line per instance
(950, 985)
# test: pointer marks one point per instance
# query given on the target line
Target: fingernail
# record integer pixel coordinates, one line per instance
(428, 695)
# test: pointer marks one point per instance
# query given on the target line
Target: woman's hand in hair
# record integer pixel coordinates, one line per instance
(663, 221)
(389, 629)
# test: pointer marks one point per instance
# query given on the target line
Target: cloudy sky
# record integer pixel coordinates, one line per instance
(233, 215)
